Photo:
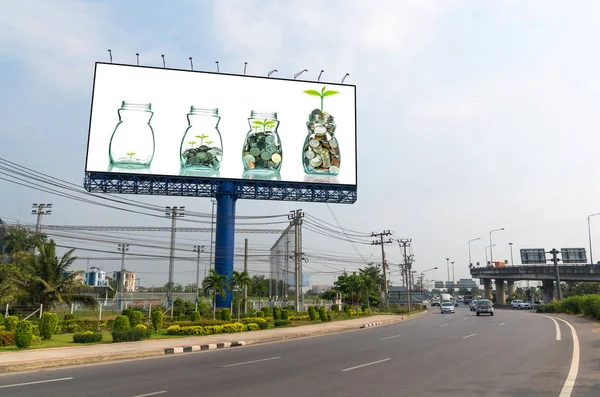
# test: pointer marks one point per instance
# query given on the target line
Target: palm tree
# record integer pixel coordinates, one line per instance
(19, 243)
(52, 275)
(239, 280)
(216, 284)
(261, 289)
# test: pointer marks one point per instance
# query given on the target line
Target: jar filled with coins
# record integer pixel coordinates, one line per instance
(262, 149)
(201, 146)
(321, 151)
(132, 142)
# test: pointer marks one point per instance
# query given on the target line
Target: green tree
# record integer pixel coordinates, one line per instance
(238, 281)
(261, 290)
(19, 243)
(14, 282)
(215, 284)
(53, 280)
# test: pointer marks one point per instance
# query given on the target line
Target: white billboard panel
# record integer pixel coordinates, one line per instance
(156, 121)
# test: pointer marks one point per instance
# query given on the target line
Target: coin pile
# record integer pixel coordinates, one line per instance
(262, 151)
(321, 150)
(203, 157)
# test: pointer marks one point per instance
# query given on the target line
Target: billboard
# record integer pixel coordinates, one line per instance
(533, 256)
(168, 122)
(573, 255)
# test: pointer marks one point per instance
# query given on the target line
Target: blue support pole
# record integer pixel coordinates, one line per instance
(225, 237)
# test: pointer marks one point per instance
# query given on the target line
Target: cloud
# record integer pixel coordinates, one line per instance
(57, 41)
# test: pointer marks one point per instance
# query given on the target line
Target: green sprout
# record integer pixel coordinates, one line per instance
(209, 143)
(321, 94)
(202, 138)
(192, 143)
(130, 154)
(264, 124)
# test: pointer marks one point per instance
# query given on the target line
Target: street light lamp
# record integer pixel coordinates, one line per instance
(491, 245)
(590, 236)
(448, 267)
(486, 255)
(475, 239)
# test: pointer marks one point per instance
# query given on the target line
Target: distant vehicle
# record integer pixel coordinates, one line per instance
(484, 307)
(515, 304)
(467, 299)
(446, 297)
(454, 302)
(524, 305)
(435, 301)
(447, 307)
(473, 305)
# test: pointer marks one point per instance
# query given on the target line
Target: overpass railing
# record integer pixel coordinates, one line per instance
(534, 269)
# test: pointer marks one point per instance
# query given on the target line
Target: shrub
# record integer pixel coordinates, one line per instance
(312, 313)
(572, 304)
(285, 314)
(252, 327)
(267, 311)
(207, 330)
(141, 326)
(48, 325)
(347, 308)
(121, 323)
(24, 334)
(127, 312)
(204, 308)
(130, 335)
(136, 318)
(260, 314)
(80, 325)
(282, 323)
(322, 314)
(591, 306)
(10, 323)
(87, 337)
(1, 320)
(299, 318)
(69, 317)
(225, 314)
(179, 330)
(256, 320)
(335, 308)
(277, 313)
(7, 338)
(195, 316)
(157, 320)
(263, 325)
(329, 317)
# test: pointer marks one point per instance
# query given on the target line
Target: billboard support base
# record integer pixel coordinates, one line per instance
(225, 237)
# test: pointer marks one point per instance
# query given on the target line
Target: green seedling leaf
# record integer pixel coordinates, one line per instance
(312, 92)
(192, 143)
(270, 123)
(323, 89)
(257, 122)
(330, 93)
(130, 154)
(209, 142)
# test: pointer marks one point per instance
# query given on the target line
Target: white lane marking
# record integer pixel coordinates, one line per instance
(556, 324)
(465, 318)
(251, 362)
(572, 376)
(468, 336)
(35, 383)
(367, 364)
(444, 325)
(501, 323)
(151, 394)
(391, 337)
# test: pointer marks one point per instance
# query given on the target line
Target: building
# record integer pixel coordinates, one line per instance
(95, 278)
(128, 281)
(318, 288)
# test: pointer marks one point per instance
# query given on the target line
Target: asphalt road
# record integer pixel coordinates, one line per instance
(513, 353)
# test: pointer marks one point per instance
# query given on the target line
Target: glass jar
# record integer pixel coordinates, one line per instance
(321, 151)
(262, 151)
(132, 142)
(201, 145)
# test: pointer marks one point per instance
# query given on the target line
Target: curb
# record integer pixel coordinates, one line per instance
(196, 348)
(371, 324)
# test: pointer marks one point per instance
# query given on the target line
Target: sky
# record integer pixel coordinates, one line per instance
(471, 116)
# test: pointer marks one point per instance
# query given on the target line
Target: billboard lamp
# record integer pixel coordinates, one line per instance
(344, 78)
(299, 73)
(217, 62)
(245, 64)
(319, 79)
(271, 72)
(137, 58)
(110, 55)
(191, 63)
(163, 58)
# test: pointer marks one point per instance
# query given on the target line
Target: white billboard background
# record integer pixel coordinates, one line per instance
(172, 92)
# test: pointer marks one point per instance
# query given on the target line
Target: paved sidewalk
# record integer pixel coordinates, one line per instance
(62, 356)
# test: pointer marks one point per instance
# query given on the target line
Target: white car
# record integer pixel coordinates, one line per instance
(447, 307)
(525, 305)
(516, 304)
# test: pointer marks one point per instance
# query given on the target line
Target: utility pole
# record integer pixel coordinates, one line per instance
(40, 210)
(246, 270)
(212, 226)
(173, 213)
(403, 244)
(448, 268)
(453, 279)
(122, 248)
(295, 218)
(554, 253)
(383, 261)
(198, 249)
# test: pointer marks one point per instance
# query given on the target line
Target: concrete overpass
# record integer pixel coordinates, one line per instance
(543, 273)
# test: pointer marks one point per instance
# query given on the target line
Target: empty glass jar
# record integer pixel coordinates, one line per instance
(262, 149)
(201, 145)
(321, 150)
(132, 142)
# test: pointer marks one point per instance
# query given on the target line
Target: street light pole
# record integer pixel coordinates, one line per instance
(512, 262)
(423, 274)
(198, 249)
(448, 267)
(491, 245)
(475, 239)
(486, 255)
(590, 236)
(453, 278)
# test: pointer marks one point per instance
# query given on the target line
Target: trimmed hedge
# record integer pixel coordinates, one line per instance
(121, 324)
(263, 325)
(10, 323)
(282, 323)
(299, 318)
(7, 338)
(136, 318)
(71, 326)
(48, 325)
(157, 320)
(68, 317)
(87, 337)
(312, 313)
(285, 314)
(24, 334)
(253, 327)
(322, 314)
(131, 335)
(225, 314)
(208, 330)
(588, 305)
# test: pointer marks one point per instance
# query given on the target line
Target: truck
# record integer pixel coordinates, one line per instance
(446, 297)
(467, 299)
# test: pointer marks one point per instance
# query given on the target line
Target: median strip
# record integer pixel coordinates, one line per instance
(196, 348)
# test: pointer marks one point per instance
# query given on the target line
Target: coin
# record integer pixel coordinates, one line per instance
(320, 130)
(326, 160)
(255, 151)
(249, 158)
(317, 161)
(325, 145)
(334, 169)
(265, 156)
(310, 154)
(276, 157)
(271, 149)
(260, 163)
(314, 143)
(270, 140)
(250, 165)
(335, 162)
(334, 143)
(261, 145)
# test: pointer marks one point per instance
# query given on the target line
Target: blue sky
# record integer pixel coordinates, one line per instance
(471, 115)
